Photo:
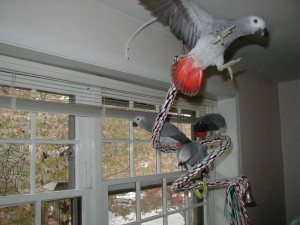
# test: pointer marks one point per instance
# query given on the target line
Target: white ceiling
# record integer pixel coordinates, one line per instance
(275, 56)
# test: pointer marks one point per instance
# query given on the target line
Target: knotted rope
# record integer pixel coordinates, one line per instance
(235, 210)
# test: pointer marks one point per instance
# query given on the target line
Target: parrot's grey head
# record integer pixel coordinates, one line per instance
(143, 122)
(253, 25)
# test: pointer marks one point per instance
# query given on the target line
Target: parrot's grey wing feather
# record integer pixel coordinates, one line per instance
(172, 131)
(186, 18)
(161, 9)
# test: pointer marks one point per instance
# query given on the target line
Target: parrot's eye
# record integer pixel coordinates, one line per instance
(255, 20)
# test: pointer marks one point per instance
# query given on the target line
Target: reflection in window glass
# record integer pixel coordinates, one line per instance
(14, 169)
(122, 208)
(145, 159)
(19, 214)
(115, 128)
(151, 202)
(52, 126)
(58, 212)
(52, 167)
(115, 160)
(14, 124)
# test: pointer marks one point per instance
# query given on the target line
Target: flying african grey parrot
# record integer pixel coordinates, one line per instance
(206, 35)
(209, 122)
(190, 154)
(169, 134)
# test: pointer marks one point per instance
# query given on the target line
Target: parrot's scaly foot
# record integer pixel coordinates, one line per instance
(220, 36)
(228, 67)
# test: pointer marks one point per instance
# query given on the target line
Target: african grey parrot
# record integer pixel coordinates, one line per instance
(169, 134)
(209, 122)
(191, 153)
(206, 35)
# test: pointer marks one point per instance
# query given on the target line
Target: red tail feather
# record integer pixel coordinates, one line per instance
(186, 77)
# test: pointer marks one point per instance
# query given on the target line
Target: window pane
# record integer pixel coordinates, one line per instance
(52, 167)
(14, 124)
(143, 107)
(151, 202)
(15, 215)
(52, 97)
(177, 218)
(52, 126)
(169, 162)
(186, 129)
(174, 200)
(115, 128)
(122, 208)
(58, 212)
(14, 169)
(20, 93)
(158, 221)
(145, 159)
(115, 160)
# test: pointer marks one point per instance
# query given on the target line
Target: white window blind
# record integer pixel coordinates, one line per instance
(92, 98)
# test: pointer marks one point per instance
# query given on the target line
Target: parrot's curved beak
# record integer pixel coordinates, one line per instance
(134, 124)
(261, 32)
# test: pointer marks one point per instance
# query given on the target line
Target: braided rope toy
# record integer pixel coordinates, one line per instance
(235, 210)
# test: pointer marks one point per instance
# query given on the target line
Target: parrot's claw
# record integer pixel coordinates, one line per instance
(230, 73)
(228, 66)
(220, 36)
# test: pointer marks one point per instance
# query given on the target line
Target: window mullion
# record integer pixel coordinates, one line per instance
(131, 148)
(32, 146)
(32, 152)
(138, 201)
(158, 153)
(38, 212)
(164, 198)
(33, 161)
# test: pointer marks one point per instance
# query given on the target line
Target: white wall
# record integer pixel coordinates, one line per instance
(261, 148)
(289, 101)
(87, 31)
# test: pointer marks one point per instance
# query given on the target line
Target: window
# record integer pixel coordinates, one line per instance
(36, 155)
(138, 177)
(74, 155)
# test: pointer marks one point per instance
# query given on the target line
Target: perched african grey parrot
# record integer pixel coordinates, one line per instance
(169, 134)
(190, 154)
(209, 122)
(206, 35)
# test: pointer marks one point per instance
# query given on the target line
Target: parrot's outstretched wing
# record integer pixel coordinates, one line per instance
(186, 18)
